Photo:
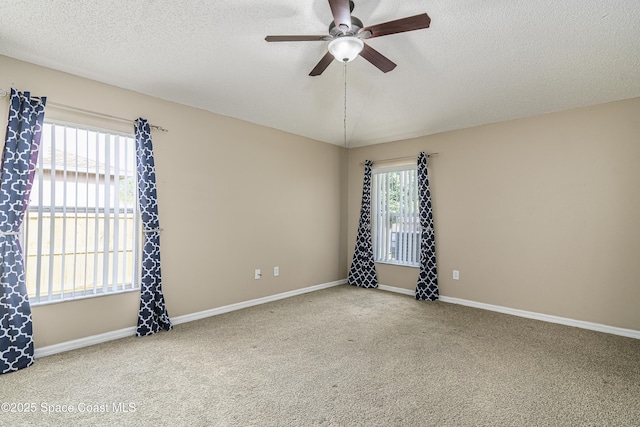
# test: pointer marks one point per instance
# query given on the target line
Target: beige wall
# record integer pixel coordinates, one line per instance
(232, 196)
(539, 214)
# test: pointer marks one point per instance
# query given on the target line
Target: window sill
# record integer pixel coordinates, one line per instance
(82, 297)
(398, 264)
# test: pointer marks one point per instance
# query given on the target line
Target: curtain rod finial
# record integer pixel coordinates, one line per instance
(160, 128)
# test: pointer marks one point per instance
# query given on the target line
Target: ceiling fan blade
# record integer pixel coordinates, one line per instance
(322, 65)
(383, 63)
(341, 11)
(295, 38)
(411, 23)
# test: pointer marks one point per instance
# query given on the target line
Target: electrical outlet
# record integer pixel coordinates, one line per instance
(456, 275)
(258, 274)
(276, 271)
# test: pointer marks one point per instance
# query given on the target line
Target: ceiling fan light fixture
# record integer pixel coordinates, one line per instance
(346, 49)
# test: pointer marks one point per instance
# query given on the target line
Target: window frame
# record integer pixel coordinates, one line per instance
(71, 212)
(414, 231)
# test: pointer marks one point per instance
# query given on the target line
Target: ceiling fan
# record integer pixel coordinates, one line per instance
(346, 34)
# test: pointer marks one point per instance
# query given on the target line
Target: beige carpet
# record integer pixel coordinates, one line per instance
(343, 356)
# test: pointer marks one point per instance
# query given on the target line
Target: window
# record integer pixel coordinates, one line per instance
(396, 221)
(82, 230)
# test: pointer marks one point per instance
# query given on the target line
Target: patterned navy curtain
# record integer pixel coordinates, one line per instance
(427, 288)
(363, 270)
(153, 313)
(19, 158)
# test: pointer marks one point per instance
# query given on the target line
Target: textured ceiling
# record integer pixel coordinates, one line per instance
(480, 62)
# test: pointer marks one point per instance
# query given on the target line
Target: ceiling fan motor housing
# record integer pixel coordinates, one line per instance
(356, 25)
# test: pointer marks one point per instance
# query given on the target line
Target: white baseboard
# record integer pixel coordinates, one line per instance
(127, 332)
(84, 342)
(631, 333)
(396, 290)
(245, 304)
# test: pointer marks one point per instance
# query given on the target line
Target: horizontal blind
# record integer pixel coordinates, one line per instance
(82, 231)
(396, 223)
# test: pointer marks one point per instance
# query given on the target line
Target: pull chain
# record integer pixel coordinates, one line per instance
(344, 73)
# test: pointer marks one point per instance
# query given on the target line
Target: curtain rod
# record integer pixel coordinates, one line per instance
(399, 158)
(4, 93)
